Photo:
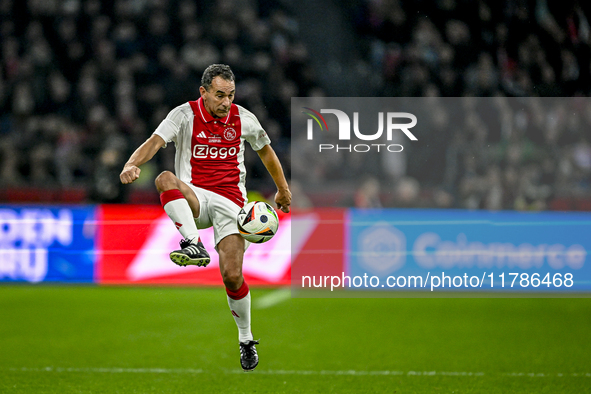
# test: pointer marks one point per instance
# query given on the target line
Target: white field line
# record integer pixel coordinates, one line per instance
(110, 370)
(273, 298)
(299, 372)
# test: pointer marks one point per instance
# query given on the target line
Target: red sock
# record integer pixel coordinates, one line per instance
(170, 195)
(238, 294)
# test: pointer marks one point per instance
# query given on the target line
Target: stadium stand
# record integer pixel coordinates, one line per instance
(83, 82)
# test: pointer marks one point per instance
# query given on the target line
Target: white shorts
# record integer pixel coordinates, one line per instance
(216, 211)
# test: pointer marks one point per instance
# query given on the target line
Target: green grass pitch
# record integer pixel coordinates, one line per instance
(87, 339)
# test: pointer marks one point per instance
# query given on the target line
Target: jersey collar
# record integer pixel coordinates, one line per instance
(207, 118)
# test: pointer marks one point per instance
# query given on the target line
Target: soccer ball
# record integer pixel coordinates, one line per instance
(257, 222)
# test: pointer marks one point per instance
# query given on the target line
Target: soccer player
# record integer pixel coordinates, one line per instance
(208, 186)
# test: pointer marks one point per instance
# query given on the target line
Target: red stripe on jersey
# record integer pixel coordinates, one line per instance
(215, 144)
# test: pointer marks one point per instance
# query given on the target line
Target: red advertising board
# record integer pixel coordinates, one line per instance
(322, 251)
(134, 242)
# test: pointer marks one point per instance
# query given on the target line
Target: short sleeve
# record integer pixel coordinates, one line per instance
(253, 132)
(171, 126)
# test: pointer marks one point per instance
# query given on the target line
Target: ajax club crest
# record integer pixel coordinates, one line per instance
(229, 134)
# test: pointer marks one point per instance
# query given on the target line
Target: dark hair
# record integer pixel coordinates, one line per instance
(216, 70)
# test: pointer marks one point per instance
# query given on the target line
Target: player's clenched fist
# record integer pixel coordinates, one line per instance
(129, 174)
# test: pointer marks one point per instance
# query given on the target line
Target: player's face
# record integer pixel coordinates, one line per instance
(218, 99)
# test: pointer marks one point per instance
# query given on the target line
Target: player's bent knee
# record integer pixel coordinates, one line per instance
(166, 181)
(232, 279)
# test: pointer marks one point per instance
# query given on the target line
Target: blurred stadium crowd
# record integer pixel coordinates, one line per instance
(524, 153)
(477, 47)
(84, 82)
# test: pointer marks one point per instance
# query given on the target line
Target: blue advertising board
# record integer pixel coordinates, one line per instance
(47, 243)
(443, 250)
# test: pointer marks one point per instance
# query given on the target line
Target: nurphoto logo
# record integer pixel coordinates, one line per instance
(344, 133)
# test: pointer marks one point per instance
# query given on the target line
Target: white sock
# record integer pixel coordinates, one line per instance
(241, 312)
(180, 213)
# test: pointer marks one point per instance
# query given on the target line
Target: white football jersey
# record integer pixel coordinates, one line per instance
(210, 151)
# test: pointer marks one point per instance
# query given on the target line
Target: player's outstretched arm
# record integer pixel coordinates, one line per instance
(271, 162)
(144, 153)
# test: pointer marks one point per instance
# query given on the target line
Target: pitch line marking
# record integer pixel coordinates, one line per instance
(273, 298)
(298, 372)
(110, 370)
